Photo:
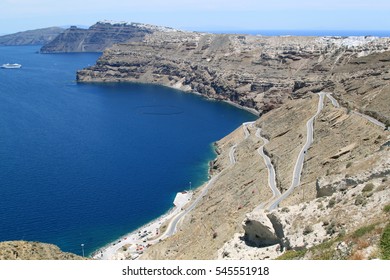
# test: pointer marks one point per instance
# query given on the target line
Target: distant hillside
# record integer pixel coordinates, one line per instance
(31, 37)
(23, 250)
(96, 38)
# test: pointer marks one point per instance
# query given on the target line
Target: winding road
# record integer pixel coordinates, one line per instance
(301, 157)
(270, 168)
(370, 119)
(277, 196)
(172, 226)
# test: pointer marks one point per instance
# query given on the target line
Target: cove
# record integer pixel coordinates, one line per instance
(87, 163)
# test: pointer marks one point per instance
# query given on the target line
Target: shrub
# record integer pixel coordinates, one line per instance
(363, 230)
(386, 208)
(285, 210)
(368, 187)
(292, 255)
(308, 229)
(349, 164)
(331, 228)
(331, 202)
(360, 200)
(385, 243)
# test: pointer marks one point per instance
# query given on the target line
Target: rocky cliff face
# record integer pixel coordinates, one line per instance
(31, 37)
(252, 71)
(96, 38)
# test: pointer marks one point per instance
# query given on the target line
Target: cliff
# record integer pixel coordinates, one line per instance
(252, 71)
(98, 37)
(343, 186)
(31, 37)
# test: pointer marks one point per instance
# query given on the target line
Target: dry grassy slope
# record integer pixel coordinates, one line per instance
(334, 130)
(286, 129)
(243, 186)
(23, 250)
(239, 189)
(351, 207)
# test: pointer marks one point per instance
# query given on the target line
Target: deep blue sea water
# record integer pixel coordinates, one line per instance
(87, 163)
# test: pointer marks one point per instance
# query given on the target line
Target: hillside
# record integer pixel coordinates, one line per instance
(253, 71)
(343, 185)
(98, 37)
(31, 37)
(23, 250)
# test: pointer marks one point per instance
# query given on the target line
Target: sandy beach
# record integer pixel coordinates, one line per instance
(132, 245)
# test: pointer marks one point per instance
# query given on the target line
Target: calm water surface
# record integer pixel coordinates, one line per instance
(87, 163)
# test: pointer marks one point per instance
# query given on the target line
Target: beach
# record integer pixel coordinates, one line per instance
(132, 245)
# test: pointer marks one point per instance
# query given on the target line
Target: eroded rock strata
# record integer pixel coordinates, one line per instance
(253, 71)
(344, 183)
(98, 37)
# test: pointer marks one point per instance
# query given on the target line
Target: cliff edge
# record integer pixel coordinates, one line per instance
(99, 36)
(254, 71)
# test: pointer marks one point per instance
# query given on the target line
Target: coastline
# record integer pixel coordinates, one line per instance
(141, 238)
(183, 89)
(136, 242)
(113, 250)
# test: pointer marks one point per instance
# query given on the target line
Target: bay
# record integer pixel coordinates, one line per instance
(87, 163)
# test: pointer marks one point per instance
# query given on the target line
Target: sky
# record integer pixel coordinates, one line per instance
(200, 15)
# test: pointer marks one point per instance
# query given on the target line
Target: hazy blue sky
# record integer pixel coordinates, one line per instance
(18, 15)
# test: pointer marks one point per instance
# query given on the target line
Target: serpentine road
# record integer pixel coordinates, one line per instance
(172, 226)
(301, 157)
(270, 168)
(277, 196)
(370, 119)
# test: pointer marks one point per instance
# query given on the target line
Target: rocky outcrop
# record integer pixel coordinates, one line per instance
(98, 37)
(31, 37)
(23, 250)
(309, 224)
(260, 231)
(380, 168)
(251, 71)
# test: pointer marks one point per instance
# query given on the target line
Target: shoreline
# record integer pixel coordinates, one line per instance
(136, 237)
(183, 90)
(143, 237)
(132, 245)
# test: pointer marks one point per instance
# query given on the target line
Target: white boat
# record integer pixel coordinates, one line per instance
(11, 66)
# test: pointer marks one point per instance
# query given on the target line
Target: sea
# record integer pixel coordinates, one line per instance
(88, 163)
